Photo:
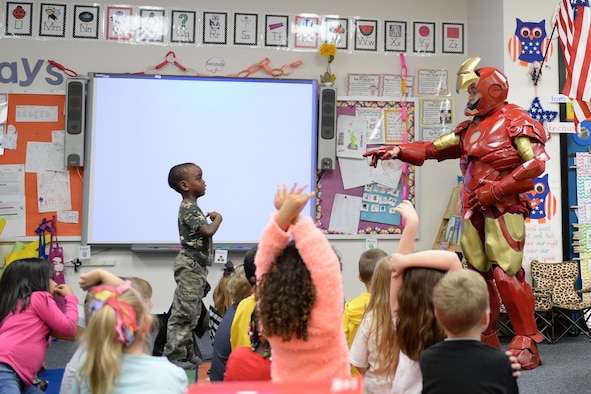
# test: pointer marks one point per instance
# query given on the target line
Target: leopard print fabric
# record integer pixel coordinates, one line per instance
(561, 278)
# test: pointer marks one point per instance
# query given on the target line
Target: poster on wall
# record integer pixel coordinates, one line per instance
(53, 20)
(355, 199)
(86, 22)
(543, 228)
(19, 19)
(182, 28)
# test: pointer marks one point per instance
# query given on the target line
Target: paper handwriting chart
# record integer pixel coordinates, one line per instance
(36, 113)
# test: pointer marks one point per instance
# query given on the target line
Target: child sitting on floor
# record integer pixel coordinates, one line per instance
(300, 295)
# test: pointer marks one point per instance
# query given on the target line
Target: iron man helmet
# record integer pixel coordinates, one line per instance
(489, 81)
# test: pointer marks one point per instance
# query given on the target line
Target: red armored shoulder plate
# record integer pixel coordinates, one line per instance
(522, 124)
(463, 126)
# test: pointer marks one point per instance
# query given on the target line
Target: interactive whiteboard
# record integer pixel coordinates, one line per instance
(247, 135)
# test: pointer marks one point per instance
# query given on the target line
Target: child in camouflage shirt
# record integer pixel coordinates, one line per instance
(190, 266)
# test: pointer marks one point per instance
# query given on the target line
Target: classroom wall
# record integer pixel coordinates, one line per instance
(435, 181)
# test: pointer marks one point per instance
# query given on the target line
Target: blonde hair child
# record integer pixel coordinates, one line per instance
(372, 349)
(115, 360)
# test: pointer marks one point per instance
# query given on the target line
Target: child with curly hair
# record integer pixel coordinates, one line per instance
(300, 295)
(250, 362)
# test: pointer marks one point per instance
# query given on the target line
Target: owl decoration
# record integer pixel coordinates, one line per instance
(542, 201)
(530, 42)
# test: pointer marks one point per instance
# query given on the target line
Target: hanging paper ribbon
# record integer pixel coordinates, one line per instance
(403, 117)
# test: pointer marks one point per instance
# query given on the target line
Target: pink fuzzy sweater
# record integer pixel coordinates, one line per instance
(325, 355)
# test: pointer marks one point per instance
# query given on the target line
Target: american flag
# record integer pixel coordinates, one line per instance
(574, 28)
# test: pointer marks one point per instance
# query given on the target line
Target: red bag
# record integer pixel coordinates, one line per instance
(56, 257)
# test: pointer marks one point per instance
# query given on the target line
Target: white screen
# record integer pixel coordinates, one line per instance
(247, 135)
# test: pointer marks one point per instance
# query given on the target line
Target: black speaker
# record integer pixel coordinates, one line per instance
(75, 121)
(327, 128)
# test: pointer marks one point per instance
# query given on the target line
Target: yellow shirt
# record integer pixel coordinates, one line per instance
(354, 309)
(239, 331)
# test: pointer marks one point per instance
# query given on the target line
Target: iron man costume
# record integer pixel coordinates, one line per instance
(501, 151)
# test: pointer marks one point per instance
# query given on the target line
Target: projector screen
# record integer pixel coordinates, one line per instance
(247, 135)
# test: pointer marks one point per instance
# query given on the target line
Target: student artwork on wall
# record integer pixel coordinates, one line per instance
(34, 180)
(356, 199)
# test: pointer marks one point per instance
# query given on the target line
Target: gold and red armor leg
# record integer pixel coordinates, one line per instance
(505, 237)
(472, 242)
(520, 307)
(503, 245)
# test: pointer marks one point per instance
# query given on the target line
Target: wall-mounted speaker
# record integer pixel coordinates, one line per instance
(327, 128)
(75, 121)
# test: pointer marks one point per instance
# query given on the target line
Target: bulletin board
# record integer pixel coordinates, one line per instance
(330, 184)
(40, 131)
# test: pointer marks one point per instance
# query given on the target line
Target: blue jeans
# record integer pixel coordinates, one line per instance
(11, 383)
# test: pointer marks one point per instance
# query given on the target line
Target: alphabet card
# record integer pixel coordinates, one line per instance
(395, 35)
(19, 19)
(366, 33)
(119, 23)
(336, 30)
(424, 37)
(306, 31)
(86, 21)
(246, 29)
(152, 23)
(52, 21)
(215, 28)
(276, 30)
(351, 132)
(183, 26)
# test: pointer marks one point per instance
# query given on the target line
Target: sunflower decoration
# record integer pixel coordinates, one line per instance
(328, 50)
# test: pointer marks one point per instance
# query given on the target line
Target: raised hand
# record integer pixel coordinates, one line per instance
(280, 196)
(290, 204)
(407, 211)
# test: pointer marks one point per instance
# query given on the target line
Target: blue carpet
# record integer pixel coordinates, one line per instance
(54, 376)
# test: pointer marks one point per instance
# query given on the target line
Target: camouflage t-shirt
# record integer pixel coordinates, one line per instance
(195, 245)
